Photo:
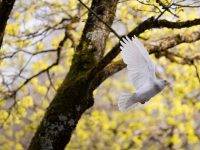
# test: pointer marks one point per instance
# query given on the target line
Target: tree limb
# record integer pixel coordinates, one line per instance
(163, 45)
(146, 25)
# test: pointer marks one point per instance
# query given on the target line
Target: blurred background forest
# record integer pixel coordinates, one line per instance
(30, 73)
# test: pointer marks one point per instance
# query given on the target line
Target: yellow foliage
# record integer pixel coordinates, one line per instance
(12, 29)
(40, 46)
(22, 43)
(16, 119)
(176, 139)
(58, 68)
(37, 116)
(72, 4)
(26, 102)
(39, 65)
(41, 89)
(3, 116)
(16, 15)
(193, 139)
(55, 41)
(137, 141)
(45, 104)
(21, 111)
(171, 121)
(18, 147)
(2, 102)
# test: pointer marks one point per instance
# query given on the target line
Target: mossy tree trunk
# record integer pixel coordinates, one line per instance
(75, 95)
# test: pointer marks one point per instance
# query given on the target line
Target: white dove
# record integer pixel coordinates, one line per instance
(141, 72)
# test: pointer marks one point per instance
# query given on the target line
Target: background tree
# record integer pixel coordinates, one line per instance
(46, 40)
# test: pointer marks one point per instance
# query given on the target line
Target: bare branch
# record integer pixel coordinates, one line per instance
(61, 44)
(27, 52)
(47, 29)
(50, 80)
(197, 72)
(149, 4)
(166, 7)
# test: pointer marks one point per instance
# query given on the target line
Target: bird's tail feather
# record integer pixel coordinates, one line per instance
(127, 101)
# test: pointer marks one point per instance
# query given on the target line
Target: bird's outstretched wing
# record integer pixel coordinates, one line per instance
(140, 67)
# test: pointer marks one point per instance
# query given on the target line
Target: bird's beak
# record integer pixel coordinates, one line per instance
(169, 85)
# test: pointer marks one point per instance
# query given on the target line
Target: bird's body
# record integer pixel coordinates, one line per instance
(141, 72)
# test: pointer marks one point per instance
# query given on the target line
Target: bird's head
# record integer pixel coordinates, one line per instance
(166, 83)
(163, 83)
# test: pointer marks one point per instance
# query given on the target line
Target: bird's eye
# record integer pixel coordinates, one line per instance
(166, 82)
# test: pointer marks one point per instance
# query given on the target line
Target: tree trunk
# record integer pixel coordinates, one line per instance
(75, 95)
(62, 116)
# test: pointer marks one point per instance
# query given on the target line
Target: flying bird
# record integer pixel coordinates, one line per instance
(141, 72)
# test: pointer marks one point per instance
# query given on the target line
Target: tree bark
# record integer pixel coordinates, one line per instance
(62, 116)
(75, 95)
(6, 7)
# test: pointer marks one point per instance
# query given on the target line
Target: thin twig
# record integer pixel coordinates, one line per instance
(61, 44)
(51, 82)
(197, 73)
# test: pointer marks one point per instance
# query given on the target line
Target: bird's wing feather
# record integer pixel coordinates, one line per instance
(145, 53)
(139, 66)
